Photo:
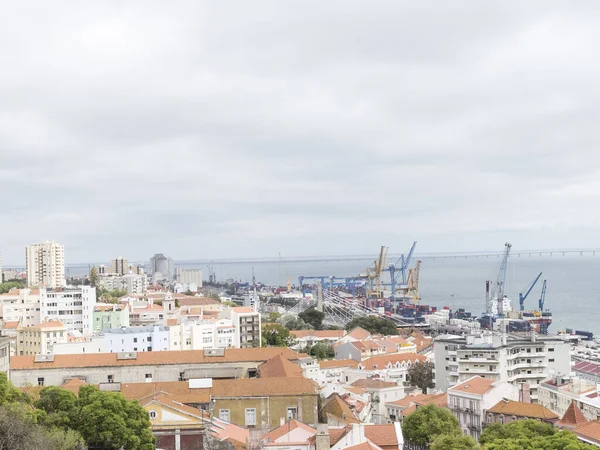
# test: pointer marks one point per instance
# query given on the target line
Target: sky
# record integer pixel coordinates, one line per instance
(243, 129)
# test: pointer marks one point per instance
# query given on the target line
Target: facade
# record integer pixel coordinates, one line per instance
(380, 392)
(119, 266)
(45, 264)
(137, 339)
(93, 344)
(22, 306)
(107, 316)
(134, 284)
(470, 399)
(386, 367)
(161, 267)
(558, 393)
(506, 411)
(504, 357)
(5, 354)
(137, 367)
(247, 325)
(40, 339)
(73, 307)
(203, 334)
(189, 276)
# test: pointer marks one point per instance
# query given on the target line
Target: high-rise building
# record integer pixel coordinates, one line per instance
(187, 276)
(160, 264)
(120, 266)
(45, 264)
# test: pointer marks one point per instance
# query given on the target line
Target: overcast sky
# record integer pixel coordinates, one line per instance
(253, 128)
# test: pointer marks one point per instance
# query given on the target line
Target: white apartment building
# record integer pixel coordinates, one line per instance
(92, 344)
(203, 334)
(136, 339)
(133, 283)
(506, 357)
(189, 276)
(73, 307)
(45, 264)
(40, 339)
(247, 325)
(469, 400)
(22, 306)
(557, 394)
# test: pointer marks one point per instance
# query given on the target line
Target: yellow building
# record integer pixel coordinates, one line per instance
(41, 338)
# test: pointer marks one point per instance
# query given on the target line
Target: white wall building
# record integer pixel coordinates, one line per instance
(189, 276)
(559, 392)
(93, 344)
(469, 400)
(133, 283)
(203, 334)
(45, 264)
(506, 357)
(73, 307)
(137, 339)
(21, 305)
(40, 339)
(247, 325)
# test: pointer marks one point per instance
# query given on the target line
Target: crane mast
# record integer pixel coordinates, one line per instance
(497, 292)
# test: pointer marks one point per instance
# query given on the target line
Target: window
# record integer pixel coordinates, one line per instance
(134, 339)
(551, 349)
(148, 376)
(251, 373)
(111, 378)
(250, 417)
(153, 414)
(551, 360)
(292, 413)
(40, 381)
(181, 376)
(149, 338)
(224, 415)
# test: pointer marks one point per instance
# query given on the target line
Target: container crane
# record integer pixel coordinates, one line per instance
(399, 272)
(522, 296)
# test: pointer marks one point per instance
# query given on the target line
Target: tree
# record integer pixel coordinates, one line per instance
(215, 297)
(453, 442)
(429, 422)
(11, 284)
(421, 375)
(313, 318)
(94, 278)
(530, 435)
(322, 351)
(273, 317)
(292, 322)
(276, 335)
(373, 324)
(59, 404)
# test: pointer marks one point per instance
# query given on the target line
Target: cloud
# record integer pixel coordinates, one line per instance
(208, 129)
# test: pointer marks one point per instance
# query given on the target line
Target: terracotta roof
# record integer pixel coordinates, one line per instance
(179, 391)
(436, 399)
(153, 358)
(324, 334)
(11, 325)
(243, 310)
(474, 385)
(278, 366)
(225, 431)
(286, 428)
(406, 401)
(333, 363)
(382, 435)
(335, 406)
(521, 409)
(589, 431)
(166, 400)
(196, 301)
(364, 446)
(172, 322)
(362, 345)
(381, 361)
(356, 390)
(573, 417)
(272, 387)
(408, 411)
(371, 383)
(337, 433)
(73, 385)
(359, 333)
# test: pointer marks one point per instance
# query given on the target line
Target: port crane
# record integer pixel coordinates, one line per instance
(542, 297)
(522, 296)
(497, 291)
(398, 271)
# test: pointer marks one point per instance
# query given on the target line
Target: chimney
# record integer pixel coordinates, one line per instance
(255, 434)
(358, 434)
(322, 441)
(524, 395)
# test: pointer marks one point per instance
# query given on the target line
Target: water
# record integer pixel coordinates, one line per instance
(571, 295)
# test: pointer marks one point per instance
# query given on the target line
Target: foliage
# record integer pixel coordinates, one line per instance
(273, 317)
(421, 375)
(293, 322)
(230, 304)
(322, 351)
(10, 394)
(276, 335)
(215, 297)
(59, 405)
(453, 442)
(429, 422)
(8, 285)
(529, 435)
(110, 296)
(373, 324)
(313, 318)
(94, 278)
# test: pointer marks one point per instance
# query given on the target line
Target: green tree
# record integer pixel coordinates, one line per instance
(273, 317)
(429, 422)
(59, 404)
(322, 351)
(11, 284)
(276, 335)
(215, 297)
(373, 324)
(94, 278)
(453, 442)
(313, 317)
(421, 375)
(292, 322)
(9, 394)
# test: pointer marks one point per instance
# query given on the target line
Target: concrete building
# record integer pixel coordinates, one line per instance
(505, 357)
(380, 392)
(21, 306)
(45, 264)
(40, 339)
(134, 284)
(161, 267)
(189, 276)
(107, 316)
(92, 344)
(557, 394)
(469, 400)
(137, 367)
(247, 325)
(73, 307)
(137, 339)
(203, 334)
(119, 266)
(5, 354)
(386, 367)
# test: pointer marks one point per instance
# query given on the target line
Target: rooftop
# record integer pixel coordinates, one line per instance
(243, 310)
(324, 334)
(272, 387)
(382, 435)
(573, 417)
(589, 431)
(521, 409)
(381, 361)
(475, 385)
(333, 363)
(286, 428)
(279, 366)
(179, 390)
(370, 383)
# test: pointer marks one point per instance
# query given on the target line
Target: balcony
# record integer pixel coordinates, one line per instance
(525, 365)
(527, 376)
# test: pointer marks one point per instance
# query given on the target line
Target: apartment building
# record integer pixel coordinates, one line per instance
(45, 264)
(21, 306)
(107, 316)
(136, 339)
(119, 266)
(134, 284)
(469, 400)
(557, 394)
(198, 335)
(161, 267)
(73, 307)
(512, 358)
(189, 276)
(247, 325)
(40, 339)
(386, 367)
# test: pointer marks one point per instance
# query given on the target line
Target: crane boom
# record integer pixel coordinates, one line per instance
(542, 297)
(522, 296)
(497, 292)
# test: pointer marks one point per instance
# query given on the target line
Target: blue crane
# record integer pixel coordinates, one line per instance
(399, 270)
(522, 296)
(542, 297)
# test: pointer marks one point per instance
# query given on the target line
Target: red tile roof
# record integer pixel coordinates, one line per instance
(286, 428)
(359, 333)
(225, 431)
(521, 409)
(323, 334)
(243, 310)
(573, 417)
(382, 435)
(474, 385)
(589, 431)
(278, 366)
(364, 446)
(381, 361)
